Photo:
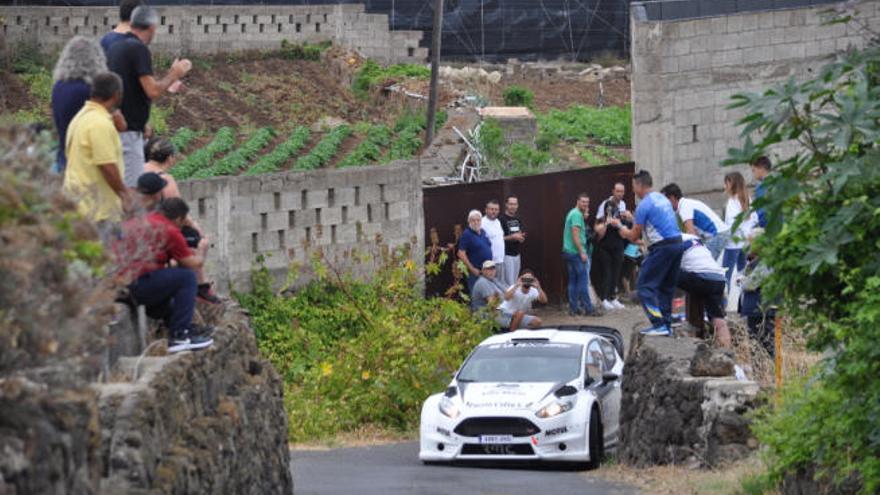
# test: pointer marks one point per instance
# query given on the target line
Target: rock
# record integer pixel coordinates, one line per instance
(712, 362)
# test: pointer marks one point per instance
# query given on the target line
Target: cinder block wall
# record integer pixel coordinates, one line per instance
(211, 29)
(686, 69)
(286, 216)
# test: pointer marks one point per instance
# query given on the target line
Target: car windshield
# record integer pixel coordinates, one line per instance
(523, 362)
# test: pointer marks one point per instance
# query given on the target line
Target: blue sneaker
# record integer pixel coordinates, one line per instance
(658, 331)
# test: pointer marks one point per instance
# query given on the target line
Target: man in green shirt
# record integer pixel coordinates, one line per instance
(577, 259)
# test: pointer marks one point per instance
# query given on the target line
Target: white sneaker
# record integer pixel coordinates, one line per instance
(617, 304)
(608, 306)
(178, 345)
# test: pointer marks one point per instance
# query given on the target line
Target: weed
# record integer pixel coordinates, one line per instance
(304, 51)
(609, 125)
(518, 96)
(372, 74)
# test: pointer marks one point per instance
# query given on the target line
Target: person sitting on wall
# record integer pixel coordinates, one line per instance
(518, 301)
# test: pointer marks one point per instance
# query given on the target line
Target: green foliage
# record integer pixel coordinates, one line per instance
(159, 118)
(372, 74)
(510, 160)
(356, 352)
(609, 125)
(518, 96)
(238, 159)
(525, 160)
(370, 150)
(408, 129)
(325, 150)
(601, 155)
(304, 51)
(224, 140)
(183, 138)
(824, 256)
(282, 153)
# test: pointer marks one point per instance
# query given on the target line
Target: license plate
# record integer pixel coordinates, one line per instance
(495, 439)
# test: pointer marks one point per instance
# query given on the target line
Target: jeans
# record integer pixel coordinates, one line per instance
(578, 283)
(733, 257)
(176, 286)
(657, 279)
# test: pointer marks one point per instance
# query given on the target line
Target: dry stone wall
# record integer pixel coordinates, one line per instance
(211, 29)
(689, 57)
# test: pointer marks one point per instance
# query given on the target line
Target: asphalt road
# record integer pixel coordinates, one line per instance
(396, 469)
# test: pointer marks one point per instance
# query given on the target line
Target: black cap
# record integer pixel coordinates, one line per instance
(150, 183)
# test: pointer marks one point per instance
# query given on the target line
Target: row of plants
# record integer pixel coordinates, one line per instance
(183, 138)
(238, 159)
(408, 130)
(370, 150)
(285, 151)
(325, 150)
(223, 141)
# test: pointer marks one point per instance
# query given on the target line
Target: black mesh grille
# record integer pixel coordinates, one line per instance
(518, 427)
(497, 449)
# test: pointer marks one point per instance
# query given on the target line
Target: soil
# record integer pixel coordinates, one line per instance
(563, 93)
(14, 95)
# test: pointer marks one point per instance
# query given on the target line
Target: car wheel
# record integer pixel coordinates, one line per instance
(596, 442)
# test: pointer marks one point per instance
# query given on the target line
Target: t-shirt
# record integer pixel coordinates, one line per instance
(91, 141)
(521, 301)
(68, 98)
(731, 211)
(612, 241)
(575, 218)
(697, 259)
(655, 214)
(511, 225)
(485, 288)
(148, 244)
(131, 59)
(603, 208)
(706, 222)
(476, 246)
(109, 40)
(495, 232)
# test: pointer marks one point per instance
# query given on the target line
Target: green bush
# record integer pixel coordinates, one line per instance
(509, 160)
(525, 160)
(359, 352)
(518, 96)
(609, 125)
(371, 74)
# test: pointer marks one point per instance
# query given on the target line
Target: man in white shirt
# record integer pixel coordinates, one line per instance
(518, 301)
(699, 219)
(702, 276)
(495, 233)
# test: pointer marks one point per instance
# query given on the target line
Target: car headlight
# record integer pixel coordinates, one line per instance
(555, 409)
(448, 408)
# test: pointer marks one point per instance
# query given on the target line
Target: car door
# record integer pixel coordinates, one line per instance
(612, 393)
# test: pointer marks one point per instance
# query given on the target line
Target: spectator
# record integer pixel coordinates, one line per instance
(577, 258)
(659, 271)
(737, 203)
(702, 276)
(699, 219)
(492, 225)
(161, 158)
(474, 247)
(760, 170)
(131, 59)
(80, 61)
(608, 255)
(147, 246)
(488, 290)
(760, 314)
(518, 301)
(514, 236)
(95, 168)
(617, 194)
(149, 188)
(123, 27)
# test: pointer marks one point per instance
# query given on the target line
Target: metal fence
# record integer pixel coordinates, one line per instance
(544, 200)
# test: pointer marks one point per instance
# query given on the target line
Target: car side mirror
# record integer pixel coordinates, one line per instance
(610, 376)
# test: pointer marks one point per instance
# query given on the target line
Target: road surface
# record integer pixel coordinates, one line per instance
(395, 469)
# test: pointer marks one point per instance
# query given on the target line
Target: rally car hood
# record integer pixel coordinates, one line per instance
(501, 395)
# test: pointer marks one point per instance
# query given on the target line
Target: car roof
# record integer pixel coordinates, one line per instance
(549, 334)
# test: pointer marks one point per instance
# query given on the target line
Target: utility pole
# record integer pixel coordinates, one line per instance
(435, 69)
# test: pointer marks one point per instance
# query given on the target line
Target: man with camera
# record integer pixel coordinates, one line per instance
(518, 301)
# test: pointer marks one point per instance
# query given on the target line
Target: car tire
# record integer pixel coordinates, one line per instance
(596, 442)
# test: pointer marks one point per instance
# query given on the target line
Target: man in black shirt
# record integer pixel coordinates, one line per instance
(608, 257)
(131, 59)
(514, 236)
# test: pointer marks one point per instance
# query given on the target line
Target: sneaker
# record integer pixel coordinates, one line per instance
(658, 331)
(608, 306)
(197, 342)
(617, 304)
(202, 330)
(178, 345)
(205, 293)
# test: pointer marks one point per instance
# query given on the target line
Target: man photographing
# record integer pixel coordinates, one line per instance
(518, 299)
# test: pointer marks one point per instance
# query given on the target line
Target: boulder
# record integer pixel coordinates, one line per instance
(709, 361)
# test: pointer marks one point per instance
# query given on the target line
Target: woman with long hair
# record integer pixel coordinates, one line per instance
(80, 60)
(738, 201)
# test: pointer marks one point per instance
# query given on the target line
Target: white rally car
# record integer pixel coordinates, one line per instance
(548, 394)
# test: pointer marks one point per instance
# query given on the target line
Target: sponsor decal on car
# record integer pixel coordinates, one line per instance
(556, 431)
(444, 432)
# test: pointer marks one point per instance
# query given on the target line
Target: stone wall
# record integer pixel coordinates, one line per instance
(670, 416)
(210, 29)
(285, 216)
(690, 56)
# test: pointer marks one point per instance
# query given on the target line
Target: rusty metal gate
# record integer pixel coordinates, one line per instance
(544, 200)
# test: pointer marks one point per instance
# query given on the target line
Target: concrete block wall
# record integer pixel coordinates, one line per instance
(211, 29)
(286, 216)
(685, 71)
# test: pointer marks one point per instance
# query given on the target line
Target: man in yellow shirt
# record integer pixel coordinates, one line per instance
(94, 165)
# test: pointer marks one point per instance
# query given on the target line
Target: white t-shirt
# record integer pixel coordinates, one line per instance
(732, 210)
(600, 214)
(697, 258)
(521, 301)
(495, 233)
(706, 222)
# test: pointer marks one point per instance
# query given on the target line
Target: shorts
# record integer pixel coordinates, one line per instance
(504, 318)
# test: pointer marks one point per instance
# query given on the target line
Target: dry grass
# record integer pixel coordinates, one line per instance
(367, 435)
(797, 361)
